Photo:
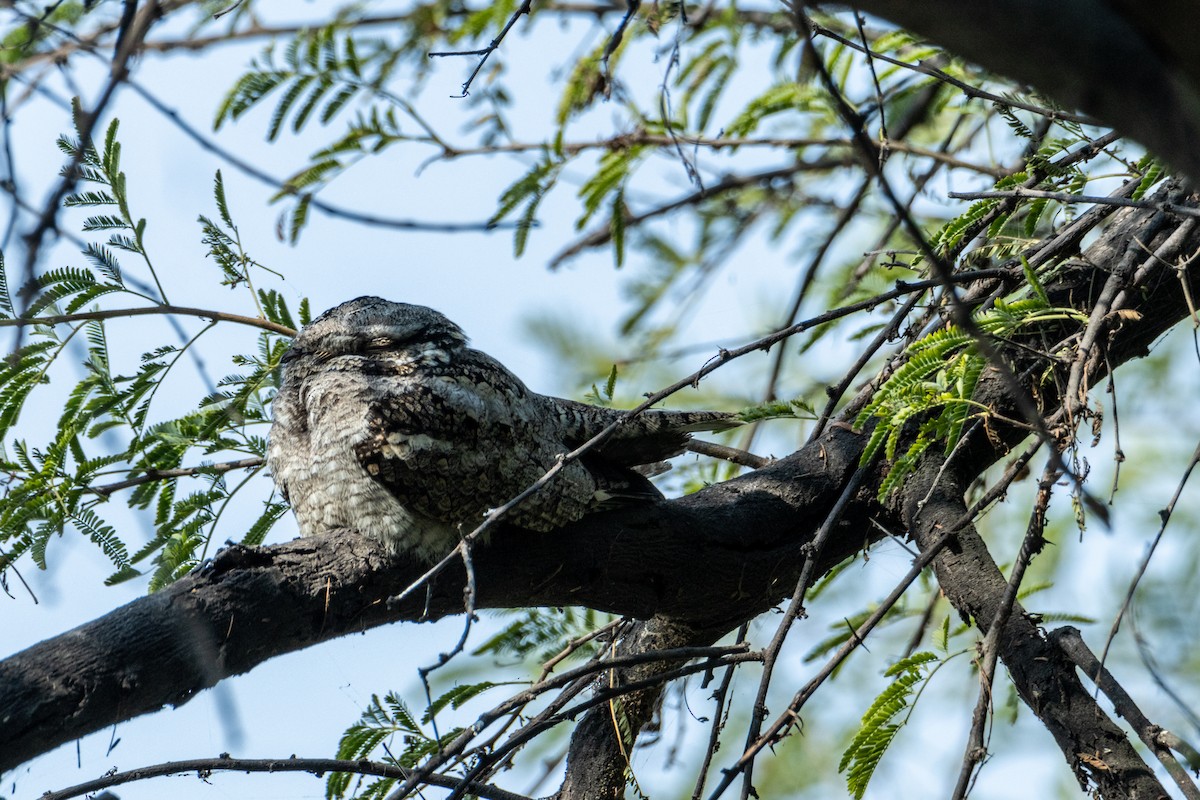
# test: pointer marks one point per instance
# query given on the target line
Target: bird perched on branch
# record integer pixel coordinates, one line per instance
(387, 423)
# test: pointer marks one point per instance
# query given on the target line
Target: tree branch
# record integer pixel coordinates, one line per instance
(748, 536)
(1071, 642)
(164, 648)
(161, 310)
(1124, 64)
(317, 766)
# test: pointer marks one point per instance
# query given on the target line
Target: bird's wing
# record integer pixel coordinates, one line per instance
(447, 445)
(453, 445)
(648, 438)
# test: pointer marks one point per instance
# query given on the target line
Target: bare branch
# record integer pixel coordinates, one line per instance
(730, 454)
(1066, 197)
(163, 310)
(317, 766)
(522, 10)
(989, 650)
(1071, 642)
(183, 472)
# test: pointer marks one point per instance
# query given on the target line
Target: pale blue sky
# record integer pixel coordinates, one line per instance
(300, 703)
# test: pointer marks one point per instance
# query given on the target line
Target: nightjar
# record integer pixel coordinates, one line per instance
(387, 423)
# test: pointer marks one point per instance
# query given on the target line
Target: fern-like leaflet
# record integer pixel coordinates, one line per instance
(879, 725)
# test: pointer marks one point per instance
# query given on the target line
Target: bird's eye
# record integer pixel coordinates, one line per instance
(379, 343)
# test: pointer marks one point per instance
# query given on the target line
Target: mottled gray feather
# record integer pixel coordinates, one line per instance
(386, 422)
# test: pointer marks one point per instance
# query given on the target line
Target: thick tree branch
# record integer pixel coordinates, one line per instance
(1129, 65)
(640, 561)
(1159, 741)
(599, 758)
(1095, 747)
(747, 536)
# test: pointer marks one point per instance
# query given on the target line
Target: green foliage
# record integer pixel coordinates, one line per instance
(378, 728)
(528, 190)
(102, 168)
(587, 81)
(318, 69)
(541, 633)
(317, 75)
(878, 727)
(111, 436)
(611, 174)
(933, 389)
(789, 96)
(843, 630)
(705, 76)
(23, 39)
(225, 248)
(604, 397)
(1152, 172)
(777, 409)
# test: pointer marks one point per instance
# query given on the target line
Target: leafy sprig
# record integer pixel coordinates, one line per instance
(389, 726)
(934, 387)
(111, 433)
(879, 726)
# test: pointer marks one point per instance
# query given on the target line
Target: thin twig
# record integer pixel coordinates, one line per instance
(720, 717)
(1021, 193)
(1159, 740)
(882, 106)
(151, 475)
(317, 766)
(641, 137)
(667, 112)
(470, 592)
(114, 313)
(730, 454)
(487, 51)
(602, 235)
(1032, 544)
(922, 623)
(614, 41)
(20, 577)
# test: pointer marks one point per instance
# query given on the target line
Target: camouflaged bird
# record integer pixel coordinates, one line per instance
(387, 423)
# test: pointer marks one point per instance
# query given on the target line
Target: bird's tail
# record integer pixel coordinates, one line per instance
(652, 436)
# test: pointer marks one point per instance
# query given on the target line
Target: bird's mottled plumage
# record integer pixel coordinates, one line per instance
(386, 422)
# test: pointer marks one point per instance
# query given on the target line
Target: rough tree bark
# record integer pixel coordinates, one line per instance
(1136, 261)
(746, 536)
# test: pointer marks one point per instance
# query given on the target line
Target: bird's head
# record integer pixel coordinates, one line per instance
(369, 326)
